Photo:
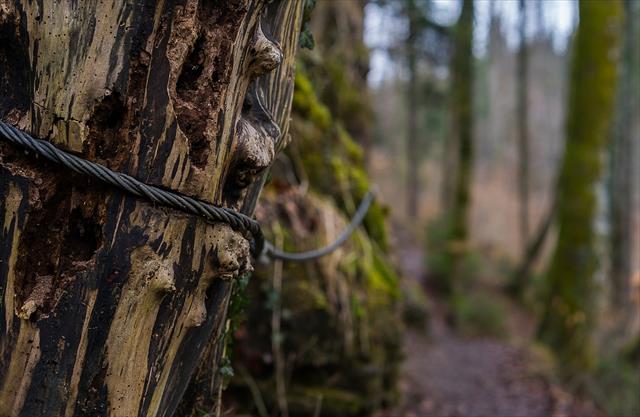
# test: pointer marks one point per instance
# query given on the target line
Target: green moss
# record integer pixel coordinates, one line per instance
(331, 158)
(352, 151)
(307, 105)
(380, 277)
(340, 316)
(344, 96)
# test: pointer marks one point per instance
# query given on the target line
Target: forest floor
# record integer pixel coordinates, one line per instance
(447, 375)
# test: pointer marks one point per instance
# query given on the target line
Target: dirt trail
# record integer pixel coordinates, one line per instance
(456, 377)
(446, 375)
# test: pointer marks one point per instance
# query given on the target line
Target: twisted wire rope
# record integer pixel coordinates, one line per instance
(236, 220)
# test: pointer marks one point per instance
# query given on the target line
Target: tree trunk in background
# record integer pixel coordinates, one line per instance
(624, 182)
(448, 170)
(533, 251)
(109, 302)
(523, 132)
(462, 93)
(412, 148)
(568, 316)
(520, 280)
(338, 29)
(539, 23)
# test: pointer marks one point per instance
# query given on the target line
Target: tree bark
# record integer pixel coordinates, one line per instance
(108, 302)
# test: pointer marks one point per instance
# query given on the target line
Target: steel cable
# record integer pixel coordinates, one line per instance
(238, 221)
(361, 212)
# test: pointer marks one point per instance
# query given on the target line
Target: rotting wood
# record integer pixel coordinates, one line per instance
(109, 304)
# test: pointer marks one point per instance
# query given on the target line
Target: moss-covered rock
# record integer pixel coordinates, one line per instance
(330, 158)
(329, 330)
(340, 326)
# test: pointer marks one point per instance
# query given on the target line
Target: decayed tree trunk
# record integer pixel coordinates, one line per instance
(109, 302)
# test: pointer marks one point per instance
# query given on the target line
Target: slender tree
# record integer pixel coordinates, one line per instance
(521, 278)
(523, 130)
(425, 41)
(111, 304)
(539, 20)
(568, 316)
(462, 118)
(413, 187)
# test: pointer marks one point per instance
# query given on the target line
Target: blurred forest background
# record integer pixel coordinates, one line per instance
(498, 273)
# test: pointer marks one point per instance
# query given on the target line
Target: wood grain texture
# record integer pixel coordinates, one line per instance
(109, 304)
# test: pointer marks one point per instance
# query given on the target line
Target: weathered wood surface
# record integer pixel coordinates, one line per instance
(107, 302)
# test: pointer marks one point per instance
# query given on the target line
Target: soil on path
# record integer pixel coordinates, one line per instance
(449, 376)
(446, 375)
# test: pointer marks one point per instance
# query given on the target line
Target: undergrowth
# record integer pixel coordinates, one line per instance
(479, 314)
